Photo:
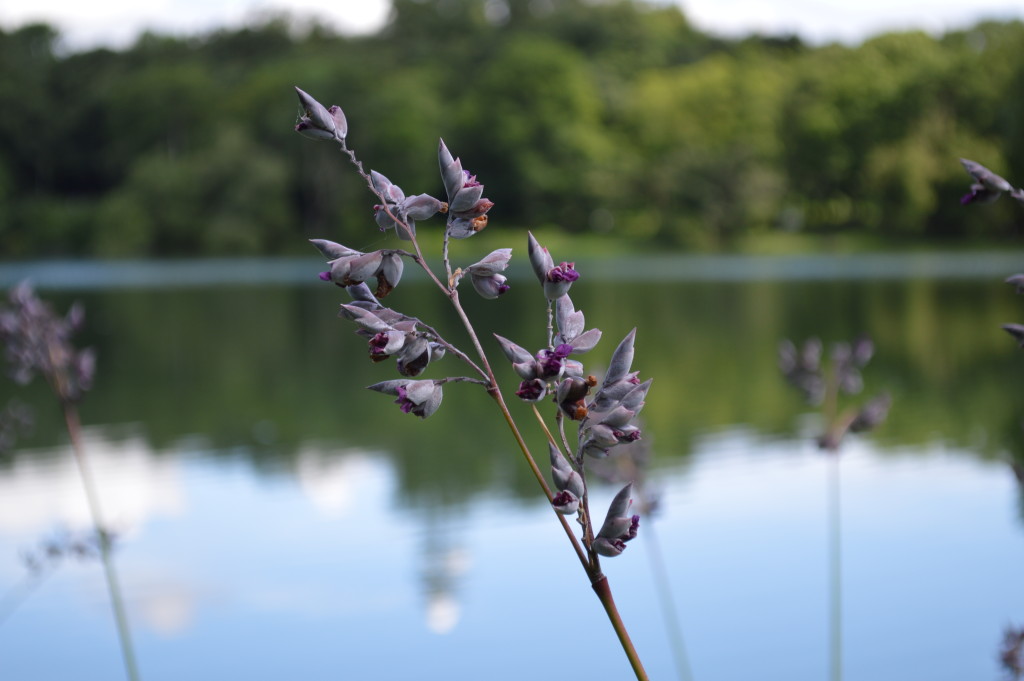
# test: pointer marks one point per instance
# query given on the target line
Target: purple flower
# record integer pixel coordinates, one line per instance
(571, 327)
(987, 186)
(486, 276)
(351, 268)
(566, 503)
(37, 341)
(532, 390)
(555, 280)
(421, 398)
(618, 528)
(552, 362)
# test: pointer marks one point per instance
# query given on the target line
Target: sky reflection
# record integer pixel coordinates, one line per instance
(322, 571)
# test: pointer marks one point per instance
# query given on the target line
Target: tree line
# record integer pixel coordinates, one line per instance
(618, 118)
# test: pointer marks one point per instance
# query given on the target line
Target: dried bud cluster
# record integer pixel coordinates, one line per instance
(36, 340)
(987, 186)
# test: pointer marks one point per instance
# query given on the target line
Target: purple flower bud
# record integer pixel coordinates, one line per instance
(1017, 331)
(622, 359)
(532, 390)
(515, 353)
(423, 207)
(551, 363)
(463, 228)
(564, 475)
(495, 261)
(609, 547)
(378, 346)
(485, 276)
(985, 177)
(872, 414)
(570, 396)
(566, 503)
(421, 398)
(466, 199)
(540, 259)
(490, 287)
(1017, 280)
(340, 123)
(319, 122)
(618, 528)
(389, 273)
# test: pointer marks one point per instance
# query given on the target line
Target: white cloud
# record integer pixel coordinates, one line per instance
(45, 491)
(117, 22)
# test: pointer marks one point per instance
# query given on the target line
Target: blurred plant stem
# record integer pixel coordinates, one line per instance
(667, 602)
(835, 569)
(74, 427)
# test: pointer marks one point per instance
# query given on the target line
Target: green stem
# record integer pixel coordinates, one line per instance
(113, 586)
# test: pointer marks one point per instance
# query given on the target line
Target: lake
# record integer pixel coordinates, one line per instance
(277, 521)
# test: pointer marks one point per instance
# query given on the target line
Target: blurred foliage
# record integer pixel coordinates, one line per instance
(266, 372)
(614, 117)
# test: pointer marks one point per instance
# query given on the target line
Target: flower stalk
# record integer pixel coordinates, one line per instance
(605, 416)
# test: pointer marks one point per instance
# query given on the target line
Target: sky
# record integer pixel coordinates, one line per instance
(116, 23)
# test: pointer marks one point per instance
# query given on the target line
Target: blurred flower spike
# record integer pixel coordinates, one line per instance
(467, 209)
(37, 341)
(421, 398)
(987, 186)
(803, 367)
(350, 267)
(486, 275)
(318, 122)
(392, 334)
(819, 384)
(556, 280)
(618, 527)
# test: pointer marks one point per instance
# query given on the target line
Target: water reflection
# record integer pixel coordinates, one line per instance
(278, 521)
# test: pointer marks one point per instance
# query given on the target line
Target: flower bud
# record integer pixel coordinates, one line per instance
(421, 398)
(566, 503)
(318, 122)
(618, 527)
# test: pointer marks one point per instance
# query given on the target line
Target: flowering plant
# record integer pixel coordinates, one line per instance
(604, 411)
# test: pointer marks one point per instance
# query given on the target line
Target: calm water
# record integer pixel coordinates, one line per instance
(276, 521)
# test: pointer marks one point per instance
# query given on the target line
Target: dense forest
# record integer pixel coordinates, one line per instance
(617, 118)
